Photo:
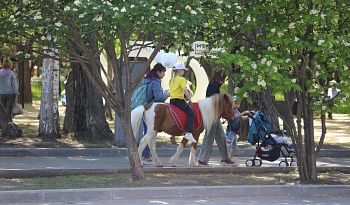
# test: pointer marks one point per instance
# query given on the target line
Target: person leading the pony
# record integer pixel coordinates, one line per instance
(178, 91)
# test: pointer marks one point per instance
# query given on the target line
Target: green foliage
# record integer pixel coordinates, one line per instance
(285, 44)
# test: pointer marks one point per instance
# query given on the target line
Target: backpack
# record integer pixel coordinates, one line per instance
(139, 97)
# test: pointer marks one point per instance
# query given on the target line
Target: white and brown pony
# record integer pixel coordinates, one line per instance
(157, 116)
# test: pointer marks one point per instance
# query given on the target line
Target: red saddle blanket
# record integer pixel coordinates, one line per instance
(180, 117)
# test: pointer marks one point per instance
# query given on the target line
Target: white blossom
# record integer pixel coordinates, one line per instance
(320, 42)
(188, 7)
(173, 18)
(287, 60)
(254, 66)
(273, 30)
(345, 67)
(245, 95)
(275, 69)
(99, 18)
(296, 39)
(27, 55)
(294, 80)
(242, 48)
(248, 18)
(313, 12)
(58, 24)
(323, 15)
(261, 82)
(156, 13)
(280, 34)
(123, 10)
(291, 25)
(132, 6)
(268, 63)
(81, 16)
(193, 12)
(236, 90)
(67, 8)
(43, 38)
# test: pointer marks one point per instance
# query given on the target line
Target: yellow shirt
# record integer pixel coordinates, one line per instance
(176, 86)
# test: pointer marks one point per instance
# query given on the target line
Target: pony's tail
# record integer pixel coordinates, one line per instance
(136, 116)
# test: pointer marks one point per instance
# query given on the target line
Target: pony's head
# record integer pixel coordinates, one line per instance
(214, 107)
(227, 103)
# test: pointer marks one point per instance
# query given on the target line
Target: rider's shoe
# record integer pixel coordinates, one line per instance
(189, 137)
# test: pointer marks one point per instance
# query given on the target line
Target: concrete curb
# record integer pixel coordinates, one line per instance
(76, 195)
(29, 173)
(65, 152)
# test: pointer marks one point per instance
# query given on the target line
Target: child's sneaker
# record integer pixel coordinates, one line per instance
(291, 149)
(189, 137)
(146, 161)
(228, 162)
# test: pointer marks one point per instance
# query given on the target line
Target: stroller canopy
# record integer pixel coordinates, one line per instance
(260, 127)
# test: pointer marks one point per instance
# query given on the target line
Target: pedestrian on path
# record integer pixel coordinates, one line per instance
(8, 86)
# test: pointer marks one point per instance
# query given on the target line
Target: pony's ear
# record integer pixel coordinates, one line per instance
(227, 98)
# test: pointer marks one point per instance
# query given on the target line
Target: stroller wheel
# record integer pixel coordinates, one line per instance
(249, 163)
(259, 163)
(283, 164)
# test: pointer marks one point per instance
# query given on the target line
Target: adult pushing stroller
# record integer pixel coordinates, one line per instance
(270, 142)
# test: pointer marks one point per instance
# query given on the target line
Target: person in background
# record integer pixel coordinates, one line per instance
(8, 86)
(234, 127)
(178, 91)
(154, 94)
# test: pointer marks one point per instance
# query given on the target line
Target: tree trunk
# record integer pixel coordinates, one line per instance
(8, 128)
(85, 112)
(26, 91)
(131, 146)
(48, 124)
(56, 93)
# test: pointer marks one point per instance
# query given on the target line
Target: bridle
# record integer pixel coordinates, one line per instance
(224, 112)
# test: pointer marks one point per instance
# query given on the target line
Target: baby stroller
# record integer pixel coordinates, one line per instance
(267, 148)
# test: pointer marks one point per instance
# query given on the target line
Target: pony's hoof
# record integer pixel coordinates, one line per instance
(158, 164)
(173, 165)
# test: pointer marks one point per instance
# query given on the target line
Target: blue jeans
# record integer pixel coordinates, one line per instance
(187, 109)
(146, 152)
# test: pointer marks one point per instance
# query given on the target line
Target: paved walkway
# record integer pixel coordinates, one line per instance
(51, 162)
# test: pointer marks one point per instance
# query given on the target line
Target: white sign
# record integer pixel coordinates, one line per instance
(201, 47)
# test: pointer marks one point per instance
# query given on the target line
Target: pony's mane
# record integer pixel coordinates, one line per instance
(211, 108)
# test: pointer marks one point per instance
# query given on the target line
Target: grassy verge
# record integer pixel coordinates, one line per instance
(164, 180)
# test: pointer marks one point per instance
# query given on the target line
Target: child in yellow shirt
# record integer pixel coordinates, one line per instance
(178, 90)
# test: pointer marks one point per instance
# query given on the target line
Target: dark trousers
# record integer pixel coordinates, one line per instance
(7, 101)
(187, 109)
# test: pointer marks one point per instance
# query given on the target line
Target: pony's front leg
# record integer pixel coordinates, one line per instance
(192, 159)
(179, 150)
(152, 147)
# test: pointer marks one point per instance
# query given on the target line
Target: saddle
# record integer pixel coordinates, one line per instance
(180, 117)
